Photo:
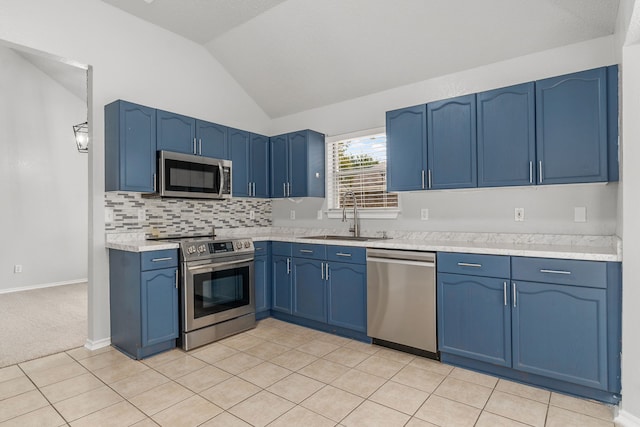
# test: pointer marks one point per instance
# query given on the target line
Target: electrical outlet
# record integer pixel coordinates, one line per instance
(142, 215)
(320, 214)
(580, 214)
(252, 214)
(519, 214)
(424, 214)
(292, 214)
(108, 215)
(17, 268)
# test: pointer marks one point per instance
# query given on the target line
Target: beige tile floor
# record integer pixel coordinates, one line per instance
(278, 374)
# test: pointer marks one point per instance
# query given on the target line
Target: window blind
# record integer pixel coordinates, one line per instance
(359, 165)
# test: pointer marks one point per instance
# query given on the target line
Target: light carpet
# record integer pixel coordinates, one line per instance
(41, 322)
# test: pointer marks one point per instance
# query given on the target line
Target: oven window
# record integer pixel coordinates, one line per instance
(191, 177)
(220, 291)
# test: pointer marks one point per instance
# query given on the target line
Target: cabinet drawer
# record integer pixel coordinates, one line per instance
(561, 271)
(474, 264)
(261, 248)
(281, 248)
(347, 254)
(159, 259)
(307, 250)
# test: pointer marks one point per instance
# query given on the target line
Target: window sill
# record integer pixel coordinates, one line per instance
(365, 213)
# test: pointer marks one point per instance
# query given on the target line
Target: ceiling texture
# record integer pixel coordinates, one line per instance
(295, 55)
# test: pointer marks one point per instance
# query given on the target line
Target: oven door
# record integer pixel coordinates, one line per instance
(216, 291)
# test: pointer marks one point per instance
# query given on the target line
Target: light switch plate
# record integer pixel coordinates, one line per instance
(519, 214)
(424, 214)
(580, 214)
(252, 214)
(292, 214)
(108, 215)
(142, 215)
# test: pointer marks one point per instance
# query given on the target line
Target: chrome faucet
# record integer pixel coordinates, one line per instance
(355, 229)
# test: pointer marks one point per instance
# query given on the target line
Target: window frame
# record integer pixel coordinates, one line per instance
(367, 213)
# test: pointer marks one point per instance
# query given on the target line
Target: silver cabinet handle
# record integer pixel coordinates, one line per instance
(254, 189)
(161, 259)
(343, 254)
(326, 275)
(322, 270)
(423, 179)
(176, 278)
(306, 251)
(504, 292)
(154, 183)
(540, 167)
(468, 264)
(249, 188)
(284, 189)
(514, 294)
(288, 189)
(288, 265)
(258, 248)
(200, 146)
(194, 146)
(429, 178)
(555, 271)
(530, 172)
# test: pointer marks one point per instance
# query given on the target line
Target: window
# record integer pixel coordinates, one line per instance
(359, 165)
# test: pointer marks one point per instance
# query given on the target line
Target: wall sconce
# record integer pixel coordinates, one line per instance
(81, 133)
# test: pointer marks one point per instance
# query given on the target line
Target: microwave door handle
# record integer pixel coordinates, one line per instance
(221, 180)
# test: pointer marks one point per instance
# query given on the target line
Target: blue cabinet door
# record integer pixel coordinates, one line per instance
(309, 295)
(298, 164)
(571, 128)
(279, 165)
(212, 140)
(612, 122)
(259, 170)
(347, 296)
(406, 148)
(239, 141)
(506, 136)
(560, 331)
(281, 283)
(474, 318)
(451, 143)
(175, 132)
(159, 305)
(130, 147)
(262, 276)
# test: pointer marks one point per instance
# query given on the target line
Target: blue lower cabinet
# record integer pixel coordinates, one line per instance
(143, 293)
(309, 300)
(560, 331)
(347, 296)
(281, 283)
(262, 278)
(475, 318)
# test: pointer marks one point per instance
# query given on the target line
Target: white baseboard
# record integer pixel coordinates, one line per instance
(44, 285)
(94, 345)
(625, 419)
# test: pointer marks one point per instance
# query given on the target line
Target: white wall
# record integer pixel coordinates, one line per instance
(132, 60)
(43, 177)
(548, 209)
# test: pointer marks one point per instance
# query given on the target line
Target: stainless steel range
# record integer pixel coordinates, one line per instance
(216, 289)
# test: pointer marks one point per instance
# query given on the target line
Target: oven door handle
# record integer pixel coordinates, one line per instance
(219, 264)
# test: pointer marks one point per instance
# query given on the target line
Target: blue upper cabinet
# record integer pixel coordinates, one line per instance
(451, 143)
(130, 147)
(239, 141)
(175, 132)
(212, 140)
(297, 164)
(407, 148)
(571, 128)
(279, 165)
(259, 161)
(506, 136)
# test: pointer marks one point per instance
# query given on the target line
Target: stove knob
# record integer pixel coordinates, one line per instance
(202, 248)
(247, 244)
(191, 249)
(238, 245)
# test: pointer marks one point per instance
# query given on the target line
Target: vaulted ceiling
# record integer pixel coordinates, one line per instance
(295, 55)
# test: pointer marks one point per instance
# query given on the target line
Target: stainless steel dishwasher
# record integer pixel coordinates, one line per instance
(401, 300)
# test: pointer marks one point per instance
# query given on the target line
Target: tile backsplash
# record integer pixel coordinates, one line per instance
(183, 216)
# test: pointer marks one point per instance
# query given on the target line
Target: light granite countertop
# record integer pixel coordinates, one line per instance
(594, 248)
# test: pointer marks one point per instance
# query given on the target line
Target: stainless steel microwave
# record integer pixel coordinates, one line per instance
(186, 175)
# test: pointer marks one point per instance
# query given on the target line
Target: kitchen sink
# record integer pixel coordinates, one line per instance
(349, 238)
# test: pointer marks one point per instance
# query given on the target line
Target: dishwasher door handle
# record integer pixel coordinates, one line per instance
(401, 261)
